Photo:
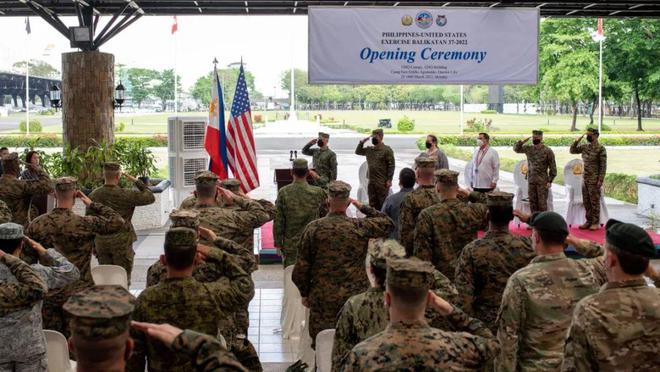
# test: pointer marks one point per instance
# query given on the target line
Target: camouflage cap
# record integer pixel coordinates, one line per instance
(424, 162)
(300, 164)
(324, 135)
(66, 183)
(100, 312)
(446, 177)
(380, 250)
(377, 132)
(499, 199)
(185, 218)
(111, 166)
(628, 237)
(11, 231)
(409, 273)
(339, 189)
(180, 237)
(537, 132)
(231, 184)
(206, 178)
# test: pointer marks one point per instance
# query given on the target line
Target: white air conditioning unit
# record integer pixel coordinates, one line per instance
(186, 153)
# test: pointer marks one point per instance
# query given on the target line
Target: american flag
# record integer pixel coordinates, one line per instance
(240, 141)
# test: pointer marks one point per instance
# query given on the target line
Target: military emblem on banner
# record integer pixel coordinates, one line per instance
(441, 20)
(424, 19)
(407, 20)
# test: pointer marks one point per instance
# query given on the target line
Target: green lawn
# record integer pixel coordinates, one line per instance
(442, 122)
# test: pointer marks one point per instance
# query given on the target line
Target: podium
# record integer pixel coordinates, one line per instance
(284, 177)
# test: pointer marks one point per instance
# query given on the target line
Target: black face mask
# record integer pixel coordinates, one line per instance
(590, 138)
(428, 145)
(319, 143)
(374, 141)
(536, 141)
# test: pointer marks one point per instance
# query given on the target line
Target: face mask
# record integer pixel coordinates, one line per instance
(590, 139)
(374, 141)
(428, 145)
(536, 141)
(480, 142)
(319, 142)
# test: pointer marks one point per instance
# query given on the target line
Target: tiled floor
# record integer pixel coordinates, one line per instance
(265, 310)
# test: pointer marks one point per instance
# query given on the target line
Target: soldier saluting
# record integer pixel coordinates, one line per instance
(542, 170)
(594, 157)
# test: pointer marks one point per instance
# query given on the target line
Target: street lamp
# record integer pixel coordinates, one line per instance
(55, 97)
(119, 96)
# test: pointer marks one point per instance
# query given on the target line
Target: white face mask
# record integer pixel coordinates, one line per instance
(480, 142)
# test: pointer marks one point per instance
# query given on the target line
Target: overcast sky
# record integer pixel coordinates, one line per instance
(268, 44)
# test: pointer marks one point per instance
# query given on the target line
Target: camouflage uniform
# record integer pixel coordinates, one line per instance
(364, 314)
(330, 266)
(536, 309)
(413, 204)
(117, 248)
(73, 236)
(297, 205)
(206, 353)
(594, 157)
(5, 212)
(380, 159)
(18, 193)
(27, 350)
(443, 229)
(187, 303)
(414, 345)
(28, 289)
(542, 170)
(324, 162)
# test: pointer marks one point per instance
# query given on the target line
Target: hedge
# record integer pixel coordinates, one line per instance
(510, 140)
(56, 141)
(618, 186)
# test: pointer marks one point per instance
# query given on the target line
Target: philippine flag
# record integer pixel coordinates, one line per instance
(215, 141)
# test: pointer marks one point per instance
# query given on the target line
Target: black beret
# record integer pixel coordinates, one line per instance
(548, 221)
(629, 238)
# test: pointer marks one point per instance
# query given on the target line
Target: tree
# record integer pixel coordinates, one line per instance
(140, 81)
(632, 52)
(201, 90)
(164, 89)
(38, 68)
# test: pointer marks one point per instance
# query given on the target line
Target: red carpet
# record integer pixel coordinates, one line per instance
(267, 239)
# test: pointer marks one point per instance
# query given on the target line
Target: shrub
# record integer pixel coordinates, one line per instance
(120, 127)
(49, 112)
(488, 112)
(35, 126)
(478, 125)
(604, 127)
(258, 118)
(510, 140)
(405, 124)
(621, 186)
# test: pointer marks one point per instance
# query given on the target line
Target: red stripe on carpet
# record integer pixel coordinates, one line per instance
(267, 239)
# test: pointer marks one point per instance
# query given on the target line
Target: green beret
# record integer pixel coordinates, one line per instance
(629, 238)
(111, 167)
(180, 237)
(446, 177)
(324, 135)
(377, 132)
(548, 221)
(300, 163)
(537, 132)
(499, 199)
(409, 273)
(339, 189)
(185, 218)
(231, 184)
(423, 161)
(380, 250)
(206, 178)
(11, 231)
(100, 312)
(66, 183)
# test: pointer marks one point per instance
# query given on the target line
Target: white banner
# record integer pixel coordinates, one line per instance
(404, 45)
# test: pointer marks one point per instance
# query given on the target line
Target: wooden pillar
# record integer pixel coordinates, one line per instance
(87, 98)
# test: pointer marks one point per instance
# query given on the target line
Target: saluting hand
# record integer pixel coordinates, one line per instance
(524, 217)
(34, 245)
(439, 304)
(129, 177)
(165, 333)
(206, 234)
(356, 203)
(84, 198)
(313, 141)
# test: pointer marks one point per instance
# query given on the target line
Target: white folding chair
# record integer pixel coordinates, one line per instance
(324, 342)
(573, 173)
(110, 275)
(57, 351)
(521, 195)
(293, 312)
(363, 176)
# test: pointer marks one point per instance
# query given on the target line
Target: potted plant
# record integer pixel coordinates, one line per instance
(140, 162)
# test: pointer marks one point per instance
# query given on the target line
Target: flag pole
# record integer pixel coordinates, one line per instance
(600, 88)
(27, 77)
(176, 90)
